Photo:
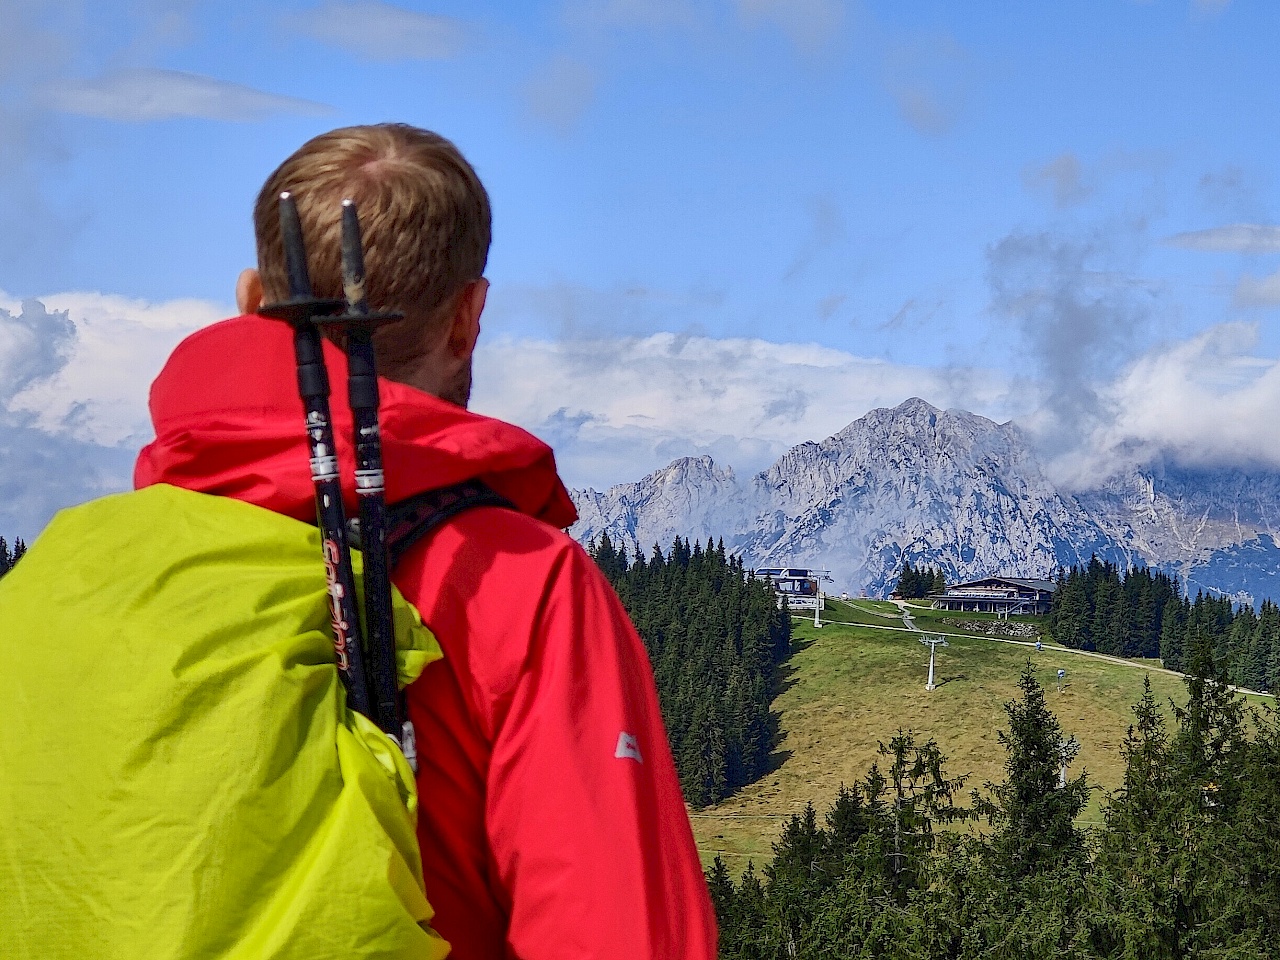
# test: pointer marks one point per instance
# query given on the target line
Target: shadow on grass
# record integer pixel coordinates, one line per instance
(776, 760)
(785, 674)
(958, 676)
(799, 644)
(785, 679)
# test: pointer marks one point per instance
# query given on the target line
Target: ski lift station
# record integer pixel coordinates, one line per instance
(801, 586)
(1000, 595)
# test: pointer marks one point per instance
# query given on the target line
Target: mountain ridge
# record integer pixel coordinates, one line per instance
(949, 488)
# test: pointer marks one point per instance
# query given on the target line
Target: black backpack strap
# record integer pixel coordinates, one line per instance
(410, 520)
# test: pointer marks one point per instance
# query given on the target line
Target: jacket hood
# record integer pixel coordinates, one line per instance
(229, 421)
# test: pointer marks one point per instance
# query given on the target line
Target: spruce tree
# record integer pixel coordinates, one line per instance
(715, 636)
(798, 874)
(1070, 614)
(1032, 812)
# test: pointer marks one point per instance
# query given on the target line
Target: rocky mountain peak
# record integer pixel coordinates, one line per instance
(944, 487)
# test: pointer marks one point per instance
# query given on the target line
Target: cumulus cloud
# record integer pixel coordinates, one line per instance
(113, 349)
(381, 31)
(1209, 401)
(34, 344)
(142, 95)
(74, 373)
(560, 93)
(75, 369)
(1234, 238)
(618, 408)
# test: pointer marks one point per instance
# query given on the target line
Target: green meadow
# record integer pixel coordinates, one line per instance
(849, 685)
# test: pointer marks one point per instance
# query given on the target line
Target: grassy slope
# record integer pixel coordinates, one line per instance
(848, 687)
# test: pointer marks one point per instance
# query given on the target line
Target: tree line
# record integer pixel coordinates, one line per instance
(915, 582)
(1183, 865)
(715, 636)
(10, 556)
(1141, 613)
(1099, 607)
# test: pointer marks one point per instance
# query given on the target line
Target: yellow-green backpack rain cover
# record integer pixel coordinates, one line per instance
(180, 776)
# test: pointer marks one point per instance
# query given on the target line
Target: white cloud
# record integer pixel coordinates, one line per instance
(116, 346)
(1235, 238)
(141, 95)
(382, 32)
(76, 368)
(1204, 402)
(34, 343)
(615, 409)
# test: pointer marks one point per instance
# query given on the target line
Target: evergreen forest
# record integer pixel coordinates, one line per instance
(905, 865)
(715, 637)
(10, 556)
(915, 583)
(1140, 613)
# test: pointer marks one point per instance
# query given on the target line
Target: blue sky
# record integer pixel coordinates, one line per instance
(721, 226)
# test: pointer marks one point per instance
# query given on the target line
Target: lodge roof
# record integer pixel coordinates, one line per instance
(1029, 583)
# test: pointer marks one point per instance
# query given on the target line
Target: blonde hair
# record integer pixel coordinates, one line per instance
(424, 216)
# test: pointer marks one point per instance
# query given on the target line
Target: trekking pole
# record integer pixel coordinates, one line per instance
(300, 310)
(363, 396)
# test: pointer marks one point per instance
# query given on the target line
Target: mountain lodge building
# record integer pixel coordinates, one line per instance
(801, 586)
(1000, 595)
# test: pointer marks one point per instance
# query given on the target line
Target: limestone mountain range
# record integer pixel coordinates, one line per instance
(952, 489)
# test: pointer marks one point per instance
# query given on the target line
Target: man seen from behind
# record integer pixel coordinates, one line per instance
(551, 822)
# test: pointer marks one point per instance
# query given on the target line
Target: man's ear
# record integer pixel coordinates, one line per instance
(248, 291)
(465, 329)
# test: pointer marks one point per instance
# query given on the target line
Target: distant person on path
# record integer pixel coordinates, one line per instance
(552, 823)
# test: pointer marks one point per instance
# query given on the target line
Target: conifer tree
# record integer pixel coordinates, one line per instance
(1032, 812)
(714, 635)
(10, 555)
(798, 875)
(1070, 614)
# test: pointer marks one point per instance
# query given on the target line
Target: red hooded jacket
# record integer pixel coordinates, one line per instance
(551, 821)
